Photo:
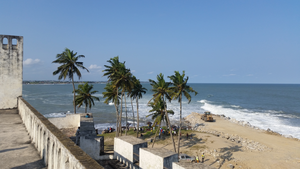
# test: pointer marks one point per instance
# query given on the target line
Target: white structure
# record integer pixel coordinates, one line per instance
(57, 151)
(70, 121)
(127, 149)
(11, 70)
(158, 158)
(189, 165)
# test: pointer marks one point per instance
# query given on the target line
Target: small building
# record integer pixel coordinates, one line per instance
(127, 150)
(158, 158)
(189, 165)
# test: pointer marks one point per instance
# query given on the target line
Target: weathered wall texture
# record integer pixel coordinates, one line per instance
(92, 146)
(127, 149)
(11, 70)
(57, 150)
(157, 158)
(70, 121)
(189, 165)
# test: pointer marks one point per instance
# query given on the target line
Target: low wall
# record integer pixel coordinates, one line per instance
(127, 150)
(92, 146)
(70, 121)
(56, 150)
(159, 158)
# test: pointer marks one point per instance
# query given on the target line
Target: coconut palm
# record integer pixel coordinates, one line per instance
(158, 115)
(123, 78)
(180, 87)
(162, 90)
(120, 77)
(111, 73)
(137, 93)
(131, 98)
(69, 66)
(112, 94)
(85, 96)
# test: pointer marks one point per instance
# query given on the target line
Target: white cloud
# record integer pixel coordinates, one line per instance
(94, 67)
(150, 73)
(30, 61)
(132, 71)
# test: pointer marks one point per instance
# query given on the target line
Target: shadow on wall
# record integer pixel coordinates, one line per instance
(126, 162)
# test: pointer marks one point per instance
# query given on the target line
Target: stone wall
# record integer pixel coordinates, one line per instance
(56, 150)
(70, 121)
(157, 158)
(127, 150)
(11, 70)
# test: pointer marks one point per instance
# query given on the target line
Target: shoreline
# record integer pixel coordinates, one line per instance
(247, 144)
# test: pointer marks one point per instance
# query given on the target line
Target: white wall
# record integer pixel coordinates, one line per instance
(150, 160)
(123, 150)
(11, 71)
(91, 145)
(70, 121)
(57, 151)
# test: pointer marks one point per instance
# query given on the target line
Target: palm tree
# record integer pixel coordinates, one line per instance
(111, 73)
(69, 66)
(112, 95)
(85, 96)
(180, 87)
(137, 93)
(162, 91)
(120, 76)
(158, 115)
(123, 78)
(129, 95)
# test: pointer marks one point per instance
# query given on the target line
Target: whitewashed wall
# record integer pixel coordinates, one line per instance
(70, 121)
(11, 71)
(57, 150)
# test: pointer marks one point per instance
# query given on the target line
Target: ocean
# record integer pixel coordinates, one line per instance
(273, 106)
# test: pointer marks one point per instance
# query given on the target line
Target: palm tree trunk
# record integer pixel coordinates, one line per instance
(156, 134)
(169, 124)
(74, 95)
(137, 117)
(120, 118)
(85, 108)
(117, 113)
(132, 112)
(126, 115)
(179, 124)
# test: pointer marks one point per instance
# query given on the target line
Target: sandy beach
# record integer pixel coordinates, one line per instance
(228, 143)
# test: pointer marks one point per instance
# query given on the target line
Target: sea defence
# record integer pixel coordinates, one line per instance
(56, 150)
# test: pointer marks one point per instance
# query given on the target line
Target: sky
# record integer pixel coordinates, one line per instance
(216, 41)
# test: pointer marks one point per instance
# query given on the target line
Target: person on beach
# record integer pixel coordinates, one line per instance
(87, 116)
(77, 135)
(197, 158)
(187, 135)
(203, 158)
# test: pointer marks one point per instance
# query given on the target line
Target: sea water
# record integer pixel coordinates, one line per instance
(273, 106)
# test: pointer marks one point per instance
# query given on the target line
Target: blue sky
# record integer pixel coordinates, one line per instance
(213, 41)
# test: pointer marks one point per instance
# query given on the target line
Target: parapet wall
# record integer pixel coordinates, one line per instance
(11, 70)
(57, 150)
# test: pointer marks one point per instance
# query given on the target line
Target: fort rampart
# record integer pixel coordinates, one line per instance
(56, 150)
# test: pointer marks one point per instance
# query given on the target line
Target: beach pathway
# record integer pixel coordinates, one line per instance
(16, 150)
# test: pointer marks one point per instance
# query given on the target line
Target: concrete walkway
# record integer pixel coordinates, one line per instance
(16, 150)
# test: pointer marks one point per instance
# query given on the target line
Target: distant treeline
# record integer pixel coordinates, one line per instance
(61, 82)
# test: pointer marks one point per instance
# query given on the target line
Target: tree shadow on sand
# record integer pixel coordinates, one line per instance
(228, 152)
(191, 141)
